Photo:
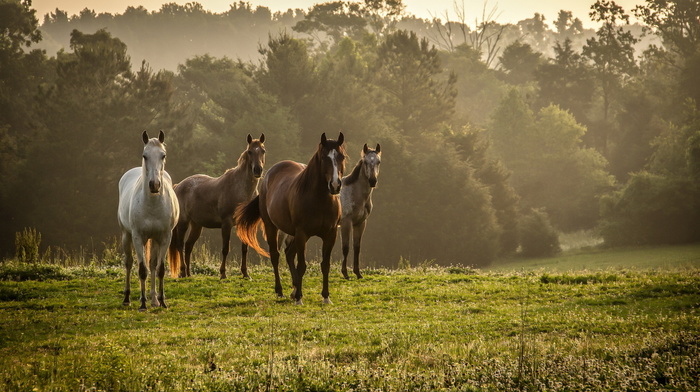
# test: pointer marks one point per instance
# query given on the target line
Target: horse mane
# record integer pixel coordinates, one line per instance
(355, 175)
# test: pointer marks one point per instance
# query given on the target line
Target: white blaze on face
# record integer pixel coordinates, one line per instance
(333, 156)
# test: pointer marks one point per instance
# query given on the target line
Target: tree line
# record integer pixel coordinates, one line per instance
(488, 147)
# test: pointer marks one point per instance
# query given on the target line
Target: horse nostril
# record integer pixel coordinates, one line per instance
(372, 182)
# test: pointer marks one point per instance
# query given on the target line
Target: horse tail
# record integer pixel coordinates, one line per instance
(174, 254)
(247, 221)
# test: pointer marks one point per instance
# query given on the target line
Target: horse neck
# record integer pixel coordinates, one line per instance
(312, 176)
(239, 175)
(358, 180)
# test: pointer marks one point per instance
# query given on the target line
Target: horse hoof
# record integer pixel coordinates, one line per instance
(126, 303)
(298, 302)
(327, 301)
(142, 309)
(280, 295)
(223, 276)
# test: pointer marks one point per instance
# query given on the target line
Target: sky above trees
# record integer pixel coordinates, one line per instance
(507, 11)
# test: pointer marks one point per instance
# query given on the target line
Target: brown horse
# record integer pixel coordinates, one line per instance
(356, 199)
(211, 202)
(302, 201)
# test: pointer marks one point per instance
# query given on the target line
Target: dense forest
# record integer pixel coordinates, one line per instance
(494, 137)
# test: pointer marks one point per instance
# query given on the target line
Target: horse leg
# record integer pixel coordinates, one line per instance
(178, 242)
(140, 247)
(162, 254)
(345, 228)
(154, 259)
(271, 234)
(128, 263)
(226, 226)
(195, 232)
(244, 260)
(328, 243)
(290, 252)
(357, 232)
(300, 245)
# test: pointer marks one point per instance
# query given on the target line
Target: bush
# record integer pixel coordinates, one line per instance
(537, 235)
(651, 209)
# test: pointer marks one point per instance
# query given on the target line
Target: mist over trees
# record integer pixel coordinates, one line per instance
(493, 136)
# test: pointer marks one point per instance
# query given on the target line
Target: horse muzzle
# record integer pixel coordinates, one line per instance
(257, 171)
(154, 186)
(372, 182)
(334, 189)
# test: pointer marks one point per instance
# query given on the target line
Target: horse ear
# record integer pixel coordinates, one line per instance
(144, 135)
(323, 138)
(161, 136)
(341, 138)
(378, 149)
(365, 149)
(262, 138)
(249, 139)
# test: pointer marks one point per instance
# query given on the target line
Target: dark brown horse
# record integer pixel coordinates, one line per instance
(211, 202)
(356, 199)
(302, 201)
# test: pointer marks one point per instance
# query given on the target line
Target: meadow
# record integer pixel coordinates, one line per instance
(624, 320)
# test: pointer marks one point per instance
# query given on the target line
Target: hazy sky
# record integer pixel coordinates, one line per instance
(507, 10)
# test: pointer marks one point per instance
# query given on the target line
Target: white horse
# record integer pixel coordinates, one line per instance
(148, 212)
(356, 200)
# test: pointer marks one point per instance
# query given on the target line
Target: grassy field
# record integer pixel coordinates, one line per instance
(581, 321)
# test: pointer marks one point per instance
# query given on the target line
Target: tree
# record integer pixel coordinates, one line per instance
(678, 25)
(677, 22)
(611, 53)
(567, 26)
(22, 70)
(89, 135)
(520, 62)
(226, 104)
(566, 81)
(408, 70)
(551, 168)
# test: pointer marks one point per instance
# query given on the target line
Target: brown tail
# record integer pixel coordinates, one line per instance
(174, 254)
(247, 221)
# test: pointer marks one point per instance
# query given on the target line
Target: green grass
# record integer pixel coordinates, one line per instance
(428, 328)
(643, 258)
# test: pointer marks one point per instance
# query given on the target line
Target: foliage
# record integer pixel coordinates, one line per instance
(564, 104)
(449, 329)
(27, 245)
(537, 235)
(551, 167)
(519, 61)
(651, 209)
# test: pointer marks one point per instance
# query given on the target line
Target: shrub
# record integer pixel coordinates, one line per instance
(651, 209)
(537, 235)
(27, 245)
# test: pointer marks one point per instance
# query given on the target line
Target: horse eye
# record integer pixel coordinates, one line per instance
(145, 157)
(250, 152)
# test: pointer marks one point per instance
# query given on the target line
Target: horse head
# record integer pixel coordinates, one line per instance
(332, 154)
(370, 163)
(153, 162)
(255, 155)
